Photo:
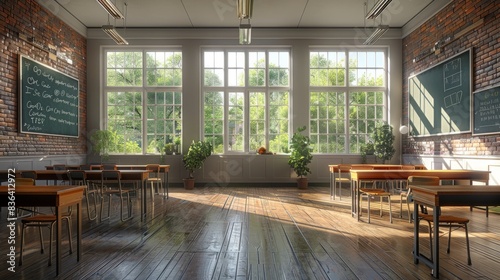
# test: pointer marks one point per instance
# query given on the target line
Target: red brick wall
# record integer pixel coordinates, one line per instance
(485, 41)
(22, 17)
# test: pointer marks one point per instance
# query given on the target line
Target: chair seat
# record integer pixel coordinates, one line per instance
(40, 219)
(374, 191)
(113, 191)
(444, 219)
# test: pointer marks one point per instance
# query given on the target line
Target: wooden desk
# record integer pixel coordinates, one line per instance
(164, 168)
(51, 196)
(447, 195)
(95, 175)
(334, 170)
(127, 175)
(357, 176)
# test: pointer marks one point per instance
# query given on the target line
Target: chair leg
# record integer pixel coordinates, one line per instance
(68, 222)
(469, 261)
(22, 245)
(129, 207)
(430, 238)
(41, 239)
(409, 211)
(368, 198)
(87, 196)
(103, 218)
(390, 209)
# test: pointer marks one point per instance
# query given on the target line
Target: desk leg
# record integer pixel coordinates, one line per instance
(416, 234)
(165, 184)
(78, 231)
(332, 194)
(435, 250)
(58, 240)
(144, 204)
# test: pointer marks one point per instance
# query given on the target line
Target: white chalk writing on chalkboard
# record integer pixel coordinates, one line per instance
(452, 74)
(49, 100)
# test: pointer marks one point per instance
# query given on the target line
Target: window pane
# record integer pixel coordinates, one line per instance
(144, 120)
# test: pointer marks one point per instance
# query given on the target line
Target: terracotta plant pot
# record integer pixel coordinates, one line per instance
(302, 183)
(188, 183)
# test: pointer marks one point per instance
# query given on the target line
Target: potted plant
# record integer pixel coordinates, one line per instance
(197, 153)
(365, 150)
(103, 141)
(383, 142)
(300, 156)
(169, 148)
(177, 142)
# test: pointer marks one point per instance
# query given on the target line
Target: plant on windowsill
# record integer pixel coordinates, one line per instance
(365, 150)
(383, 142)
(197, 153)
(103, 141)
(300, 156)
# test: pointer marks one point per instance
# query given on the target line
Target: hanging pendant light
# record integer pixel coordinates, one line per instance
(244, 9)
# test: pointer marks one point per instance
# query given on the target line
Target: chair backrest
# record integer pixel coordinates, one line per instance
(59, 166)
(25, 182)
(423, 180)
(77, 177)
(344, 170)
(109, 166)
(362, 167)
(408, 167)
(29, 174)
(84, 166)
(96, 167)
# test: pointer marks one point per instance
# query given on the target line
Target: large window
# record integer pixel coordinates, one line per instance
(348, 90)
(143, 97)
(246, 100)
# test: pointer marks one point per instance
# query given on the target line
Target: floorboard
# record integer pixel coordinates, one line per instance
(260, 233)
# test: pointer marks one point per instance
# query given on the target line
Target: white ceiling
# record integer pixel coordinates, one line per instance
(222, 13)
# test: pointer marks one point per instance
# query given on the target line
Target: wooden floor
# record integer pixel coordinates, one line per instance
(260, 233)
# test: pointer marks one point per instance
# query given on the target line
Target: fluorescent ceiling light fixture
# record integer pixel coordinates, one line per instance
(244, 9)
(111, 31)
(377, 33)
(377, 9)
(245, 34)
(111, 9)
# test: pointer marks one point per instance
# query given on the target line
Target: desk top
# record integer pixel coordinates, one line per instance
(459, 174)
(43, 195)
(376, 166)
(457, 195)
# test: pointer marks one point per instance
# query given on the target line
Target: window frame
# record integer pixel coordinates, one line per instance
(246, 89)
(349, 89)
(144, 89)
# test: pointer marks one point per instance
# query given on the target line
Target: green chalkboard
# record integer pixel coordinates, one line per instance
(48, 100)
(440, 98)
(486, 109)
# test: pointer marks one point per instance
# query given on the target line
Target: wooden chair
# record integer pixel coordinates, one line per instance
(343, 177)
(154, 178)
(444, 220)
(79, 177)
(406, 194)
(113, 177)
(370, 193)
(40, 221)
(24, 212)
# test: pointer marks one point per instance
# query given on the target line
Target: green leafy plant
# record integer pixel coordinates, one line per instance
(197, 153)
(301, 153)
(383, 142)
(366, 149)
(103, 142)
(169, 148)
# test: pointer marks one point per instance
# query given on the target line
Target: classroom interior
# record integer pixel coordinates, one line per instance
(246, 218)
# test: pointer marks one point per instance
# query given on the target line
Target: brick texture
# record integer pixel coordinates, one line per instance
(29, 18)
(485, 43)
